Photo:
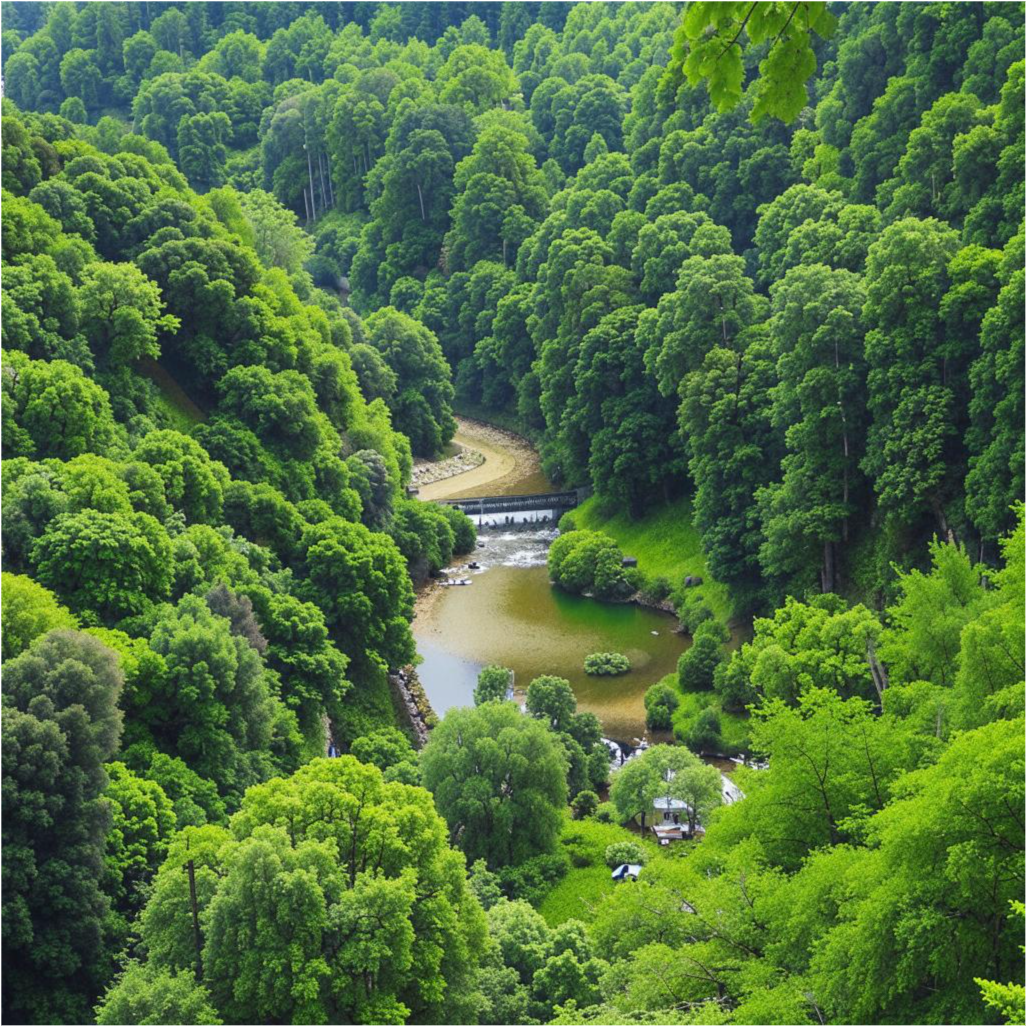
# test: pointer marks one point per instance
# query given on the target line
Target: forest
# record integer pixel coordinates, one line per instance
(761, 263)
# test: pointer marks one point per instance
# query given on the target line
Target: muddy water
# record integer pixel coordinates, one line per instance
(511, 615)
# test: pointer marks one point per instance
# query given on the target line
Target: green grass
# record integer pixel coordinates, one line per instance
(585, 886)
(734, 728)
(665, 543)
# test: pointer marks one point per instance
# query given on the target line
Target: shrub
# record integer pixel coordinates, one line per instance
(533, 878)
(584, 804)
(697, 666)
(605, 813)
(656, 589)
(661, 700)
(567, 523)
(703, 735)
(587, 561)
(606, 664)
(625, 852)
(692, 609)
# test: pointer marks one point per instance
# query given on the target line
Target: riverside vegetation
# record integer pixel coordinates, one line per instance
(751, 272)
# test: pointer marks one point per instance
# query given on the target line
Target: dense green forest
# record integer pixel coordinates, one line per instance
(764, 260)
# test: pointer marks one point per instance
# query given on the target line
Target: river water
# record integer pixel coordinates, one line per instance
(511, 615)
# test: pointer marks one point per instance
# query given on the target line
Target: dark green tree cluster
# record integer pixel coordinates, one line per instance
(193, 478)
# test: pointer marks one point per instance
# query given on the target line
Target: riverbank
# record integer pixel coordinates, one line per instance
(509, 465)
(665, 543)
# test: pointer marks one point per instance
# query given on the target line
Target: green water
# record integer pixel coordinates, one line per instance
(512, 616)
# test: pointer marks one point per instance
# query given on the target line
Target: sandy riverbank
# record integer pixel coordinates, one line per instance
(510, 467)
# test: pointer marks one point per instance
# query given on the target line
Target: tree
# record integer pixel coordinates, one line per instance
(835, 763)
(142, 822)
(359, 580)
(916, 382)
(371, 918)
(29, 612)
(112, 564)
(661, 701)
(666, 772)
(193, 482)
(994, 441)
(499, 779)
(213, 707)
(817, 404)
(120, 313)
(279, 241)
(697, 666)
(144, 993)
(551, 700)
(421, 408)
(968, 901)
(493, 684)
(61, 723)
(54, 410)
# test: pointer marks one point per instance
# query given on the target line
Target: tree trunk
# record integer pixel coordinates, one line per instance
(309, 171)
(877, 670)
(827, 575)
(942, 520)
(420, 196)
(306, 204)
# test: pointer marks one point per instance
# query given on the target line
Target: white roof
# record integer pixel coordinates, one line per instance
(672, 804)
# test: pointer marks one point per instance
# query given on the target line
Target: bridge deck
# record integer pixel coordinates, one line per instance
(514, 503)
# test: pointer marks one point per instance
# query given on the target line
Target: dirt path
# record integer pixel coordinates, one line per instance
(510, 467)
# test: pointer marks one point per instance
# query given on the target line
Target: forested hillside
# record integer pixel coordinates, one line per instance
(765, 260)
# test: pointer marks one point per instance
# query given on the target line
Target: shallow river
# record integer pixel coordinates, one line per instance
(511, 615)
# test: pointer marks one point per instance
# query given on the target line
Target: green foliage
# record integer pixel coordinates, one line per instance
(660, 702)
(493, 684)
(29, 611)
(586, 561)
(399, 931)
(782, 357)
(624, 851)
(499, 779)
(606, 664)
(61, 723)
(707, 46)
(145, 993)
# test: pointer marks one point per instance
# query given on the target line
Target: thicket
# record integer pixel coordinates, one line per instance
(252, 254)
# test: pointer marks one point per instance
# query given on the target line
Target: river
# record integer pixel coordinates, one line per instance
(511, 615)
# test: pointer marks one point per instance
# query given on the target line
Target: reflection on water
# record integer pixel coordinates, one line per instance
(512, 616)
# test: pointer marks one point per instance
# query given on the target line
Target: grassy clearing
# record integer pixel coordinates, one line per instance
(734, 728)
(665, 543)
(586, 884)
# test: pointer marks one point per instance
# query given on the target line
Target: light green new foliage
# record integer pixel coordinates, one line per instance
(709, 45)
(148, 995)
(499, 779)
(29, 611)
(334, 896)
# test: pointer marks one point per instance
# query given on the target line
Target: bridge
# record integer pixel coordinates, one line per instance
(514, 503)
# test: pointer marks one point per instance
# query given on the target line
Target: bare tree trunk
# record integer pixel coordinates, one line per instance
(306, 204)
(331, 190)
(420, 196)
(877, 670)
(309, 171)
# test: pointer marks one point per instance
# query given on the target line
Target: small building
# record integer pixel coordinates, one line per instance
(629, 561)
(628, 871)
